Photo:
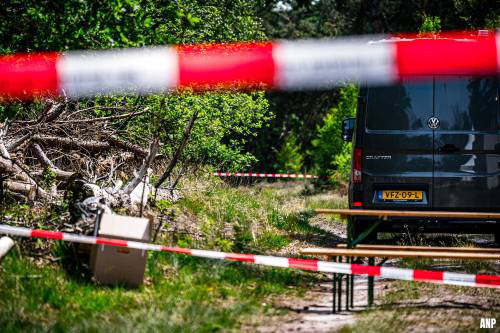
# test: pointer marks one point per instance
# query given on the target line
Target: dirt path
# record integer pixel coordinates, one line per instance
(313, 312)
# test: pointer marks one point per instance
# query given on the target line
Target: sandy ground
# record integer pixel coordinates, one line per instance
(313, 312)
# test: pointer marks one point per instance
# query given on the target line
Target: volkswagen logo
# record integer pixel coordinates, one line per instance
(433, 122)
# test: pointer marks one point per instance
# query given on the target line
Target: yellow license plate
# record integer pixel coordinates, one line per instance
(402, 195)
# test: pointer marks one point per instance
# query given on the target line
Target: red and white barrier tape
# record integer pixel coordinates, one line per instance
(263, 175)
(285, 65)
(470, 280)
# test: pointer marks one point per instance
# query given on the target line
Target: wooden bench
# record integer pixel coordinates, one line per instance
(394, 251)
(390, 251)
(424, 248)
(400, 253)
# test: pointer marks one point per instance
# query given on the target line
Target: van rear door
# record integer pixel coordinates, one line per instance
(467, 143)
(398, 145)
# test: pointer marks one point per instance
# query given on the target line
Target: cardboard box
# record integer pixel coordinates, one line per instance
(114, 265)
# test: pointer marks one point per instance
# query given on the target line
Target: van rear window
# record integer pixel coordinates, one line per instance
(467, 103)
(406, 106)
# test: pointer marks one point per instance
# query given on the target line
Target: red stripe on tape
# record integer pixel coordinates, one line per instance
(248, 65)
(488, 280)
(306, 264)
(47, 234)
(240, 257)
(368, 270)
(113, 242)
(447, 56)
(427, 275)
(24, 76)
(176, 250)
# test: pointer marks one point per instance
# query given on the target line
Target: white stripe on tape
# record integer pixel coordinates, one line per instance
(271, 261)
(334, 267)
(143, 246)
(208, 254)
(15, 231)
(459, 279)
(145, 70)
(396, 273)
(79, 238)
(325, 63)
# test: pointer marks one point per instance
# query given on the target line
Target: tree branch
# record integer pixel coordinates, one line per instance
(9, 166)
(180, 148)
(47, 163)
(113, 140)
(69, 143)
(42, 158)
(14, 145)
(153, 148)
(102, 119)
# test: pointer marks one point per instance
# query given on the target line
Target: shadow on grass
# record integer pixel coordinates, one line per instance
(423, 305)
(300, 229)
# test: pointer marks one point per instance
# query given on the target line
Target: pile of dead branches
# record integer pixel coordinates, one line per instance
(67, 147)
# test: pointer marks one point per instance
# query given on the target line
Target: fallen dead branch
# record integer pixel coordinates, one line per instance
(67, 148)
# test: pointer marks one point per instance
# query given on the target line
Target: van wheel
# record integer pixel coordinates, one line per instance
(358, 227)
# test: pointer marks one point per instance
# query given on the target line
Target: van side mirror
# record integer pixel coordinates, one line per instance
(348, 129)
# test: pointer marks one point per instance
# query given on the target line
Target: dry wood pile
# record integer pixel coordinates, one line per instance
(67, 149)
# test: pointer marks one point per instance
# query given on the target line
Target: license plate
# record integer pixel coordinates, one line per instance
(402, 195)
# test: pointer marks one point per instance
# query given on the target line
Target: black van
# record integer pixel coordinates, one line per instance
(429, 143)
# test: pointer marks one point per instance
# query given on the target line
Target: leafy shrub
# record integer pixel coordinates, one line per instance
(431, 24)
(289, 159)
(331, 154)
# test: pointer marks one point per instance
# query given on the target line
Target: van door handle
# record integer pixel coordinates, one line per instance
(449, 148)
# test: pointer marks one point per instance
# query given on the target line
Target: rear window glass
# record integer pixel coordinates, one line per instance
(467, 103)
(406, 106)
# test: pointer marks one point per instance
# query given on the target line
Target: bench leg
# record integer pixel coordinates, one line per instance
(347, 287)
(352, 290)
(339, 306)
(334, 289)
(371, 262)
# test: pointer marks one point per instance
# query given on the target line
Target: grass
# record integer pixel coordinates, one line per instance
(181, 294)
(260, 218)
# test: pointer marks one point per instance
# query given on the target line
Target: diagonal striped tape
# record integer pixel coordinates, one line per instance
(262, 175)
(282, 65)
(469, 280)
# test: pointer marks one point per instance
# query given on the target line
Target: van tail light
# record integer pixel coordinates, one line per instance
(357, 169)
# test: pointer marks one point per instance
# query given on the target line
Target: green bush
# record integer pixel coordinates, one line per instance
(331, 154)
(431, 24)
(289, 159)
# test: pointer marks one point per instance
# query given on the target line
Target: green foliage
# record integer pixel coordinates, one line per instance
(271, 241)
(49, 177)
(54, 26)
(431, 24)
(289, 158)
(331, 154)
(226, 119)
(342, 161)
